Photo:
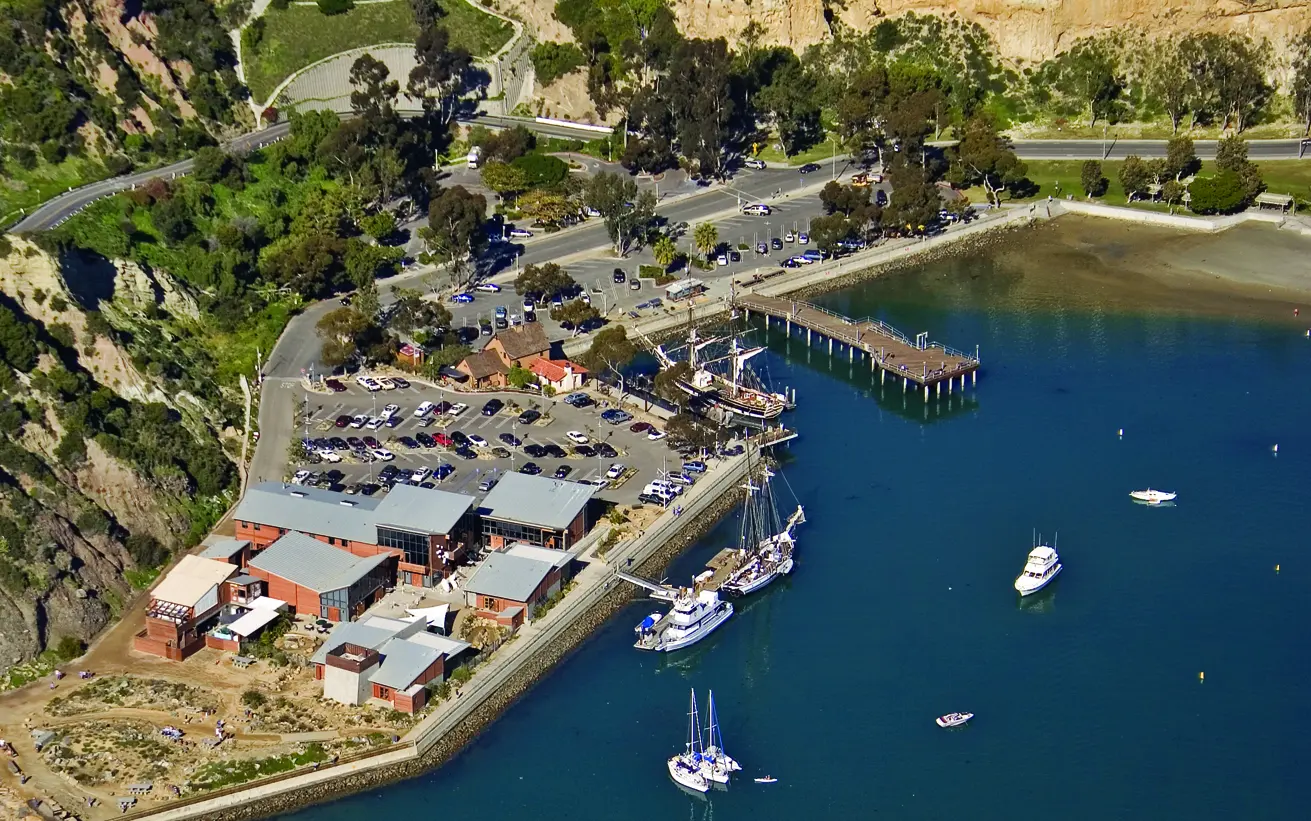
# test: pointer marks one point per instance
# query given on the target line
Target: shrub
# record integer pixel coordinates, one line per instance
(69, 648)
(551, 61)
(331, 7)
(1221, 194)
(253, 699)
(541, 169)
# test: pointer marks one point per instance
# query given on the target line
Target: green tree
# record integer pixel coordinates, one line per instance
(984, 158)
(1220, 194)
(1136, 177)
(548, 207)
(545, 280)
(1088, 73)
(1172, 191)
(374, 97)
(1180, 158)
(379, 225)
(705, 236)
(791, 100)
(520, 377)
(828, 231)
(575, 311)
(505, 179)
(914, 202)
(665, 252)
(18, 346)
(1168, 80)
(1092, 179)
(341, 332)
(413, 313)
(1300, 86)
(172, 219)
(440, 75)
(1231, 155)
(611, 350)
(551, 61)
(541, 170)
(454, 233)
(696, 432)
(627, 214)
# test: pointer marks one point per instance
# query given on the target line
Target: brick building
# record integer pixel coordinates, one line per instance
(535, 510)
(429, 531)
(384, 660)
(322, 581)
(560, 374)
(519, 345)
(509, 585)
(186, 602)
(485, 370)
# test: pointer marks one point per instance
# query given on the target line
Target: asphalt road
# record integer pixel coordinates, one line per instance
(1113, 149)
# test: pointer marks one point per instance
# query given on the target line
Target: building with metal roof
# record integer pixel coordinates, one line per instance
(383, 659)
(505, 580)
(535, 510)
(226, 550)
(428, 530)
(321, 580)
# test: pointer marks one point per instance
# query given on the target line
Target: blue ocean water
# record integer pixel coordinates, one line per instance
(1088, 698)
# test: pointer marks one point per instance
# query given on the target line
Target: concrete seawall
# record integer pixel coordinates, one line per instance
(498, 684)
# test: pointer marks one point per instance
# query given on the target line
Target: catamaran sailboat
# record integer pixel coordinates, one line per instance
(1153, 497)
(730, 394)
(685, 768)
(716, 765)
(1041, 567)
(695, 615)
(766, 545)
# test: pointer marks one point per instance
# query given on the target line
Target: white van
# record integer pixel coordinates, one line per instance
(757, 210)
(475, 156)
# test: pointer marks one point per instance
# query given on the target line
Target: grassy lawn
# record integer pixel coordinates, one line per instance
(218, 774)
(20, 188)
(301, 35)
(816, 153)
(1060, 177)
(1144, 131)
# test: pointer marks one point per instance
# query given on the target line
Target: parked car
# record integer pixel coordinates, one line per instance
(492, 407)
(300, 477)
(384, 455)
(555, 451)
(776, 244)
(487, 484)
(803, 238)
(374, 422)
(534, 450)
(655, 435)
(652, 499)
(370, 442)
(458, 408)
(694, 467)
(369, 489)
(510, 439)
(420, 473)
(721, 260)
(757, 210)
(459, 438)
(444, 440)
(500, 452)
(640, 427)
(441, 407)
(578, 399)
(425, 440)
(615, 416)
(606, 451)
(520, 233)
(619, 276)
(342, 421)
(635, 284)
(734, 256)
(387, 383)
(880, 198)
(488, 287)
(390, 410)
(408, 442)
(577, 437)
(531, 469)
(424, 409)
(462, 298)
(338, 443)
(808, 168)
(586, 451)
(443, 470)
(813, 255)
(400, 382)
(762, 248)
(752, 162)
(328, 455)
(334, 385)
(529, 416)
(616, 470)
(563, 472)
(477, 441)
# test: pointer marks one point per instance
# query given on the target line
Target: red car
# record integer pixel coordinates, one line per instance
(343, 421)
(640, 427)
(335, 386)
(444, 440)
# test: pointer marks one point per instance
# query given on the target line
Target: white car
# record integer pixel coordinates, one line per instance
(458, 408)
(616, 470)
(384, 455)
(577, 437)
(660, 492)
(667, 486)
(477, 441)
(591, 212)
(300, 477)
(520, 233)
(390, 411)
(358, 422)
(368, 384)
(488, 287)
(790, 237)
(757, 210)
(587, 300)
(754, 163)
(722, 259)
(655, 435)
(330, 456)
(424, 409)
(420, 474)
(374, 423)
(385, 383)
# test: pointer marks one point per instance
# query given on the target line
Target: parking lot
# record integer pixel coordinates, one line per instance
(643, 458)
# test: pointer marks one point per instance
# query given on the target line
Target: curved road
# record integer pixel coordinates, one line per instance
(53, 212)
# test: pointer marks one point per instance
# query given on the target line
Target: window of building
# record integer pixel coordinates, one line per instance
(332, 540)
(489, 603)
(513, 532)
(257, 525)
(414, 545)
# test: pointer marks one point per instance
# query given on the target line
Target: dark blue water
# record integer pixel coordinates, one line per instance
(1088, 699)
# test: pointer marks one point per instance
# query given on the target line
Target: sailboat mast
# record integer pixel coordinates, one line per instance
(712, 727)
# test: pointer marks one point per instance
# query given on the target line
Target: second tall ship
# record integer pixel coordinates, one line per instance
(766, 544)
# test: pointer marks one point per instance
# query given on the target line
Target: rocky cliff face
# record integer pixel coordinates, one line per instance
(72, 525)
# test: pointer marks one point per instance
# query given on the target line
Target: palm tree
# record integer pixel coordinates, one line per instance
(665, 252)
(706, 237)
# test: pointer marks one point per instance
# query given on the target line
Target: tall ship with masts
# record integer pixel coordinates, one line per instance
(725, 382)
(766, 544)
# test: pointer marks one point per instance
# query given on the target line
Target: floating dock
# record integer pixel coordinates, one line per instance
(920, 362)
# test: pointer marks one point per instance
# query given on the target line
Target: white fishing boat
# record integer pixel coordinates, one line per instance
(716, 765)
(1039, 569)
(769, 779)
(694, 616)
(954, 719)
(685, 768)
(1153, 497)
(766, 545)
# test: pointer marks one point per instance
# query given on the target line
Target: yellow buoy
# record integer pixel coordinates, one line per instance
(1276, 568)
(1201, 676)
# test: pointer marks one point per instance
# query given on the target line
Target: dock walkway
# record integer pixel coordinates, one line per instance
(920, 361)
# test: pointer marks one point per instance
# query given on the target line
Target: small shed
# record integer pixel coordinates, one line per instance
(1282, 202)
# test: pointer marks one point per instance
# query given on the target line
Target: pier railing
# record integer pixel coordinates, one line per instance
(878, 325)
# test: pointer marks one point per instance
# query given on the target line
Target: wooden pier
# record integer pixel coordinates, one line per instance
(920, 361)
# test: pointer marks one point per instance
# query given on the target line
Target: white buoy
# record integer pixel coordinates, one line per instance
(1274, 449)
(1201, 677)
(1121, 433)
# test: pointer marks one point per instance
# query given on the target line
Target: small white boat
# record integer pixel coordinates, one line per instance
(1042, 566)
(1153, 497)
(769, 779)
(954, 719)
(686, 776)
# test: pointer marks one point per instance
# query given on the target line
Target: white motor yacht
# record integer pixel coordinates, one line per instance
(1039, 570)
(695, 615)
(1153, 497)
(954, 719)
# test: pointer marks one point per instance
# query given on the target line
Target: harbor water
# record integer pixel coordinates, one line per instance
(1089, 697)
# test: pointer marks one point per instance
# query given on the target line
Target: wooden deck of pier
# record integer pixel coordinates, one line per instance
(920, 362)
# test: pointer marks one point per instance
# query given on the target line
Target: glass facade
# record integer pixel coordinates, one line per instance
(415, 545)
(345, 599)
(514, 532)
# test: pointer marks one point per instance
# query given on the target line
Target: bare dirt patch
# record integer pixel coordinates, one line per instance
(139, 693)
